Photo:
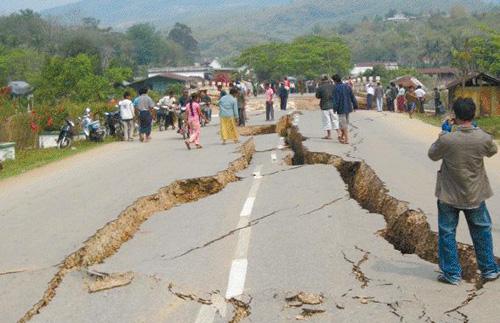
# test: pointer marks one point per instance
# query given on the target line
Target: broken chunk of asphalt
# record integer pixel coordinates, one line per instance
(108, 240)
(406, 229)
(98, 282)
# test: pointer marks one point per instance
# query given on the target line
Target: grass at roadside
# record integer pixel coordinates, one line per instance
(488, 124)
(27, 160)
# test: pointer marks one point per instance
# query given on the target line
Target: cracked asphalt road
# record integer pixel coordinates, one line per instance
(303, 234)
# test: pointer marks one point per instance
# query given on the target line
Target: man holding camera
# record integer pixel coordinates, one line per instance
(462, 185)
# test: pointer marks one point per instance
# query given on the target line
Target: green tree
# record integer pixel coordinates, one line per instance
(73, 78)
(486, 51)
(307, 57)
(145, 40)
(183, 35)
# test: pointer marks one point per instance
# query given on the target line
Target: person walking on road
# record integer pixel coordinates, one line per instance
(242, 102)
(127, 116)
(463, 186)
(393, 96)
(329, 118)
(167, 106)
(379, 96)
(420, 93)
(193, 119)
(411, 101)
(181, 110)
(144, 105)
(228, 113)
(344, 102)
(401, 98)
(370, 93)
(207, 105)
(389, 99)
(283, 94)
(437, 102)
(269, 102)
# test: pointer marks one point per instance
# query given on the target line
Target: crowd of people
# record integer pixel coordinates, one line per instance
(400, 99)
(187, 113)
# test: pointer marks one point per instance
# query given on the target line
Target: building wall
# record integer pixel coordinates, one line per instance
(487, 97)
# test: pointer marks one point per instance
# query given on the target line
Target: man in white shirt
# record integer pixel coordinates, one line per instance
(421, 98)
(370, 93)
(127, 115)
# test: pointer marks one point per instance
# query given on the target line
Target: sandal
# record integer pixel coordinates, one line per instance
(187, 145)
(199, 146)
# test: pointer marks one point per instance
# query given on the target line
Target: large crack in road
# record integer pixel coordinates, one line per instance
(108, 240)
(406, 229)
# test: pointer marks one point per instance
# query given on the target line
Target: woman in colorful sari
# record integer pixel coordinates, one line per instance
(193, 118)
(229, 115)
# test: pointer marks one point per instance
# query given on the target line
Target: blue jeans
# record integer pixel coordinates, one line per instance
(479, 222)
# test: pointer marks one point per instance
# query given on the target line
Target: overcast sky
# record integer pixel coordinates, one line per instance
(10, 6)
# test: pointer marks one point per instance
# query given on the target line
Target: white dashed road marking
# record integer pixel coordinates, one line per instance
(239, 266)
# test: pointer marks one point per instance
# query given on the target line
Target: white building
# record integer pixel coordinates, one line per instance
(361, 68)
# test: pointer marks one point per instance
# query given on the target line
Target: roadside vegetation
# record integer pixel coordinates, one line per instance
(488, 124)
(70, 68)
(29, 159)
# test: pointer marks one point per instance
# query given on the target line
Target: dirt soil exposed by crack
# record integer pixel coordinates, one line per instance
(407, 230)
(108, 240)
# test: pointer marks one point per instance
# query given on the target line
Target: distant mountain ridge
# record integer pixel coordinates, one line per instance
(124, 13)
(225, 27)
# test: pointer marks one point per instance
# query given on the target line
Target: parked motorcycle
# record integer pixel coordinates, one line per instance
(113, 124)
(92, 129)
(161, 117)
(66, 134)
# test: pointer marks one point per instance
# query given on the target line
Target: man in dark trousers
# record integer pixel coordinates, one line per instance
(344, 103)
(283, 94)
(463, 186)
(329, 118)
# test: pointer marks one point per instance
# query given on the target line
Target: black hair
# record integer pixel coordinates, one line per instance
(126, 94)
(194, 96)
(170, 93)
(393, 84)
(143, 90)
(233, 91)
(465, 109)
(419, 86)
(336, 78)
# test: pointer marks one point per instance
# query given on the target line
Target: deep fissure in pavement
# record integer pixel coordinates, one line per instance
(113, 235)
(406, 229)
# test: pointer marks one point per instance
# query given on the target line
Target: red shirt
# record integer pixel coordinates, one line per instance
(269, 95)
